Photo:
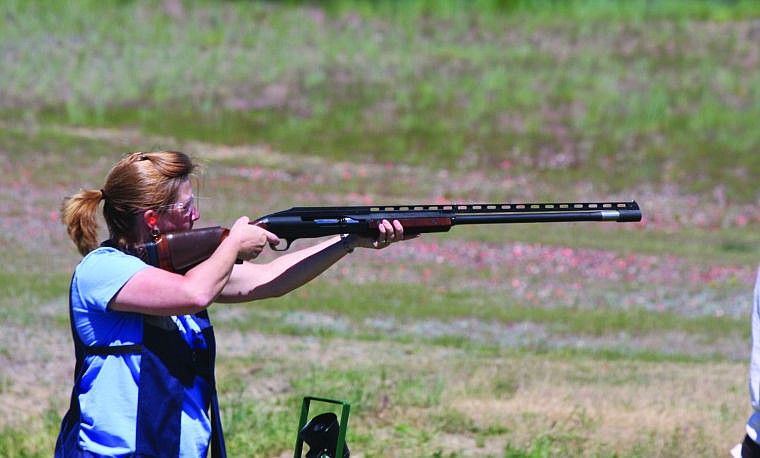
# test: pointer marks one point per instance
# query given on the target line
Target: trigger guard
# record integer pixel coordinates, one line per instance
(282, 246)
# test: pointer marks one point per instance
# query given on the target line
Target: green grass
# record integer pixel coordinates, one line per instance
(419, 315)
(25, 293)
(428, 85)
(31, 440)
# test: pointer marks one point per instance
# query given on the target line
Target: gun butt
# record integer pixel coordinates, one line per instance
(179, 251)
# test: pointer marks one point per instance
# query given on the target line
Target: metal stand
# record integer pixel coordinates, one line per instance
(341, 437)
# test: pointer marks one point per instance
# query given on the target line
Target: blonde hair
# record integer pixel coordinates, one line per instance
(138, 182)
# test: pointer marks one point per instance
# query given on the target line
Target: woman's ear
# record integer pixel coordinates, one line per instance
(151, 219)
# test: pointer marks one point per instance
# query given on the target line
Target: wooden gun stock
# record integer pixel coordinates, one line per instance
(180, 251)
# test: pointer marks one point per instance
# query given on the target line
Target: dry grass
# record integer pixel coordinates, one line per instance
(612, 405)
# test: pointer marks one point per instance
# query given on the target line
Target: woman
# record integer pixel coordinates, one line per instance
(750, 448)
(144, 381)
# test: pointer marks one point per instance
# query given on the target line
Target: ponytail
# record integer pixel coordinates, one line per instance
(79, 214)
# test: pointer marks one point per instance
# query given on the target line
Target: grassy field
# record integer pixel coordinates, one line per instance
(553, 340)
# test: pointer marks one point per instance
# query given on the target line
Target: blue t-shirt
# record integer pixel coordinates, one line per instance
(108, 390)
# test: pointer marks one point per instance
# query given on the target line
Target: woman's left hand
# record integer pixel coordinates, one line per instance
(389, 232)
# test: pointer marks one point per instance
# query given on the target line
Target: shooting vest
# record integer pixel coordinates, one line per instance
(167, 365)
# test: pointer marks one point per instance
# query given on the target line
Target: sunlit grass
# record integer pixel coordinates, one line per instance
(488, 100)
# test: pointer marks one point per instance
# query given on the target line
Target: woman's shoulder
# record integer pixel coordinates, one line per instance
(101, 273)
(107, 252)
(108, 259)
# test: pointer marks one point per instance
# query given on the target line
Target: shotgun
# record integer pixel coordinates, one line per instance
(179, 251)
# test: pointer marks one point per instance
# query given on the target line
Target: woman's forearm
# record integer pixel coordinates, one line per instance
(258, 281)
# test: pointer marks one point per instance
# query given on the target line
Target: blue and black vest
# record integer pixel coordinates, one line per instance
(168, 364)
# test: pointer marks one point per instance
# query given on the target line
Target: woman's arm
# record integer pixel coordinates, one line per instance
(258, 281)
(155, 291)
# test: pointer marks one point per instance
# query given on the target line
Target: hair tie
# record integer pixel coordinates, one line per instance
(102, 195)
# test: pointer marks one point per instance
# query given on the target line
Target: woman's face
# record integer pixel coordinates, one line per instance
(180, 215)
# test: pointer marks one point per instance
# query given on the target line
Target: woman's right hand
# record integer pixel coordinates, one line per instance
(252, 239)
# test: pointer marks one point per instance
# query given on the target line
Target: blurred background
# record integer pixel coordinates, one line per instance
(581, 339)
